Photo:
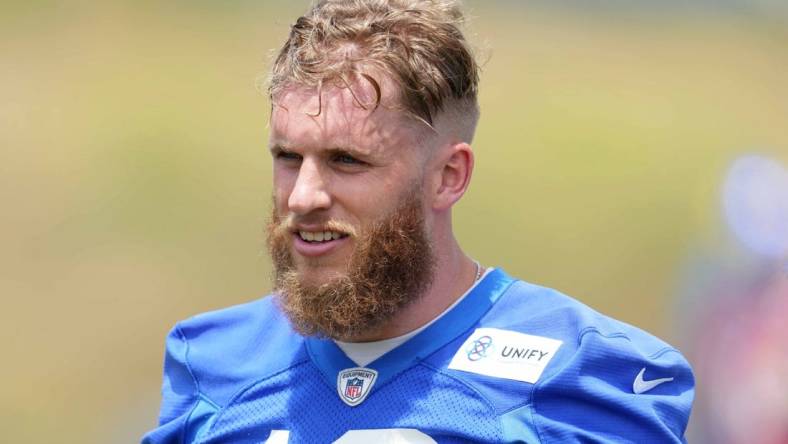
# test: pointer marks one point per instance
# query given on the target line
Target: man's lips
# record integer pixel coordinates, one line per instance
(317, 248)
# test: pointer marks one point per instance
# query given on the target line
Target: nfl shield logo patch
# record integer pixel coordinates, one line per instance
(354, 384)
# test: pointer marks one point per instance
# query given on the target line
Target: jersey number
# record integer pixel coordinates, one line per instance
(389, 436)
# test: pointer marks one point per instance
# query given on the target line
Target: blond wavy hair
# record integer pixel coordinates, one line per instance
(417, 44)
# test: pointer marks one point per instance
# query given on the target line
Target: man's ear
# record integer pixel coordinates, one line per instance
(452, 174)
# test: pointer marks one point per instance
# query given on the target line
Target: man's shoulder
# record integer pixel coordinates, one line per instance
(540, 310)
(233, 318)
(598, 360)
(229, 348)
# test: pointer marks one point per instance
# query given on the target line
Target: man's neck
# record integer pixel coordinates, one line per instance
(454, 274)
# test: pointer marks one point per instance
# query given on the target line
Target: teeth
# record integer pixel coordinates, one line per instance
(319, 236)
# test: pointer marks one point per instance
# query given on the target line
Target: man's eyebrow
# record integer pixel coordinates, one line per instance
(346, 151)
(330, 152)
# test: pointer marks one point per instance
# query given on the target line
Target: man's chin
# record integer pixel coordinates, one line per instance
(318, 275)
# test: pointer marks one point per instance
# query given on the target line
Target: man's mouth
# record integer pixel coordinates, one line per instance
(321, 236)
(318, 243)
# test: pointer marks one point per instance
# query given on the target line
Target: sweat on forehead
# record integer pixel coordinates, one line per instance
(357, 105)
(342, 122)
(367, 91)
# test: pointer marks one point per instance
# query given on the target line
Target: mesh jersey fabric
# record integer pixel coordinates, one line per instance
(322, 417)
(238, 374)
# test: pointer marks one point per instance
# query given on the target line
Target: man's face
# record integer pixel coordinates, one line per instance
(348, 219)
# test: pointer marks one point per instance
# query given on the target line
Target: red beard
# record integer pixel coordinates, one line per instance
(391, 267)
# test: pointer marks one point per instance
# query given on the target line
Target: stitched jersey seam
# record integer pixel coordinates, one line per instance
(246, 388)
(662, 351)
(583, 332)
(538, 385)
(187, 420)
(186, 359)
(467, 385)
(580, 336)
(210, 401)
(423, 361)
(473, 327)
(197, 392)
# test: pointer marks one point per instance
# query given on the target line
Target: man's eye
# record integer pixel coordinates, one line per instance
(347, 159)
(284, 155)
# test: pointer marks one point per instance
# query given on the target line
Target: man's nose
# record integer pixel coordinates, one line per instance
(309, 192)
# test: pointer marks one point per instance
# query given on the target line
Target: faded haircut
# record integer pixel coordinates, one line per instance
(417, 44)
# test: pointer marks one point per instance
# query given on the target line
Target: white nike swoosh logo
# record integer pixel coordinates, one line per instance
(641, 386)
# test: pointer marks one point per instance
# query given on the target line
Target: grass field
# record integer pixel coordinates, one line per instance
(135, 180)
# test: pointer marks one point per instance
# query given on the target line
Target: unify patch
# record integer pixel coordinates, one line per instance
(505, 354)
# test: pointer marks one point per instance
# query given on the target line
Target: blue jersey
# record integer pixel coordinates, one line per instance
(512, 362)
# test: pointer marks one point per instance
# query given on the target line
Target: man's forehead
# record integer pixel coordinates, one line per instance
(366, 89)
(336, 113)
(331, 105)
(358, 98)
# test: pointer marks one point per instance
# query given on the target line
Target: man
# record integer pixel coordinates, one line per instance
(380, 327)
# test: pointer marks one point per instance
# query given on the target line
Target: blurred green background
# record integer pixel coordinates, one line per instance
(135, 179)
